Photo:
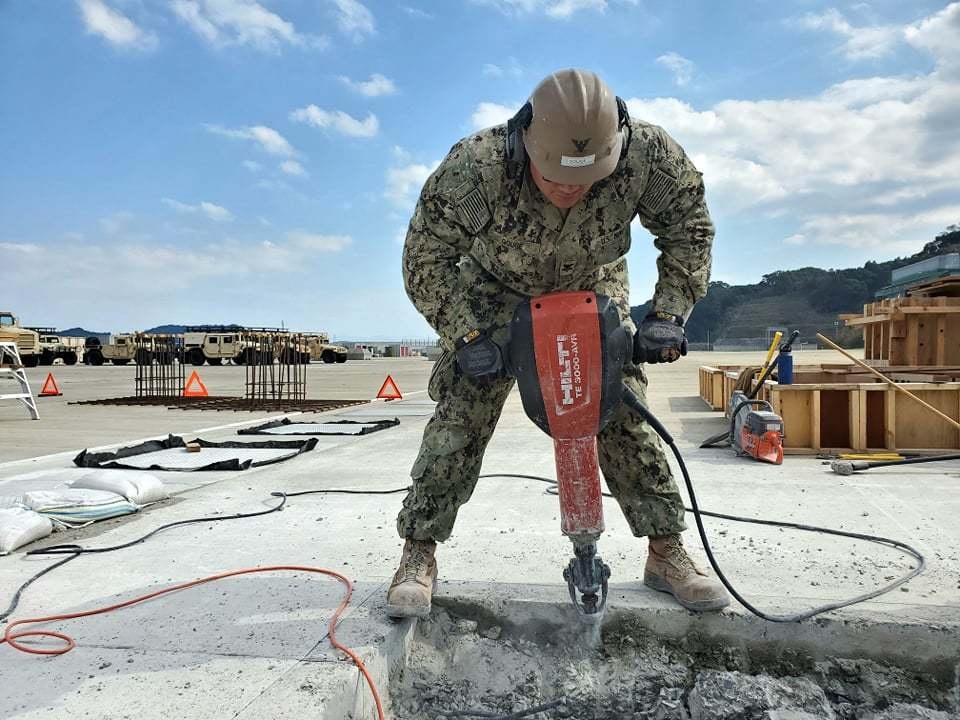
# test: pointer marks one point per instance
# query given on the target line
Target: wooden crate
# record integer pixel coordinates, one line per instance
(913, 331)
(866, 416)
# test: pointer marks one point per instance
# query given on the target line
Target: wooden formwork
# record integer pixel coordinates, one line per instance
(717, 385)
(839, 408)
(914, 331)
(711, 387)
(866, 416)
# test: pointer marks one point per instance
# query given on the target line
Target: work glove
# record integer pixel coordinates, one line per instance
(479, 357)
(660, 338)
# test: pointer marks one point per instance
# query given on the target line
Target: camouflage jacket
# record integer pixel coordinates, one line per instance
(469, 210)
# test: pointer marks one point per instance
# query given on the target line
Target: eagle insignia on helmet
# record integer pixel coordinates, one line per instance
(581, 145)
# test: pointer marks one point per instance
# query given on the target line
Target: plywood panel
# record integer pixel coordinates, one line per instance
(835, 419)
(795, 409)
(917, 427)
(875, 425)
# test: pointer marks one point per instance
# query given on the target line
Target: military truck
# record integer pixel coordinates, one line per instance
(124, 349)
(121, 351)
(52, 347)
(321, 349)
(215, 344)
(27, 341)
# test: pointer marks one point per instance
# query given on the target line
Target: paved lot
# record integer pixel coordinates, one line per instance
(64, 427)
(260, 640)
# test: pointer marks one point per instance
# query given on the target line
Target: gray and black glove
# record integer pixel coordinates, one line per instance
(660, 338)
(479, 357)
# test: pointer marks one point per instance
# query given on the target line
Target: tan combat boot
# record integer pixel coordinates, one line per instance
(412, 587)
(669, 569)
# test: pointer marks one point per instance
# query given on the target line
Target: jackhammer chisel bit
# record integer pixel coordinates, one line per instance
(590, 575)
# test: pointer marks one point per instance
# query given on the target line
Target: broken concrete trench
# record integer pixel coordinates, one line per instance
(500, 659)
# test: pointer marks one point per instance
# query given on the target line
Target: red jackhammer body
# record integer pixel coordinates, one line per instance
(567, 351)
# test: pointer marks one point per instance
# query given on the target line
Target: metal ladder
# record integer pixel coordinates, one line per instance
(11, 367)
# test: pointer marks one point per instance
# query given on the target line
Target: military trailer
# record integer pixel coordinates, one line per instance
(53, 348)
(27, 341)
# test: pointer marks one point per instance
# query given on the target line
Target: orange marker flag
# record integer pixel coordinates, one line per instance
(199, 391)
(389, 390)
(50, 387)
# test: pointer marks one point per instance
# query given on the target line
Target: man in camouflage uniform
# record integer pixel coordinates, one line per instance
(503, 219)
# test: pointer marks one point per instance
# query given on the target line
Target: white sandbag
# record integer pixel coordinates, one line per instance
(78, 507)
(19, 526)
(138, 487)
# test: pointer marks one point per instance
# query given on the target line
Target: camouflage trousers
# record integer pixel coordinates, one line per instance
(446, 470)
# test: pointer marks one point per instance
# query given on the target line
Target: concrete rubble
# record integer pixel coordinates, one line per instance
(451, 666)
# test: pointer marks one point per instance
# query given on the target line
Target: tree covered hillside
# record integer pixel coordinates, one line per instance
(808, 299)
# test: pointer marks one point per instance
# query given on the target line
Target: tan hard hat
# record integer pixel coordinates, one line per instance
(574, 137)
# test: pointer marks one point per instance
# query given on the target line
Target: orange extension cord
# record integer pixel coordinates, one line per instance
(11, 637)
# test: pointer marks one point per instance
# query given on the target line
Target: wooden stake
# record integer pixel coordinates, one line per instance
(887, 380)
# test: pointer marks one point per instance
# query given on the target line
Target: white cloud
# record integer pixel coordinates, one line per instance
(681, 67)
(488, 114)
(893, 231)
(252, 165)
(337, 120)
(512, 68)
(376, 86)
(416, 12)
(213, 212)
(267, 138)
(25, 248)
(354, 19)
(113, 26)
(115, 223)
(565, 8)
(558, 9)
(241, 22)
(312, 242)
(939, 35)
(404, 183)
(861, 43)
(292, 167)
(867, 162)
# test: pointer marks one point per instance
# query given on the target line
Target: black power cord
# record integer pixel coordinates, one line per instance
(634, 403)
(697, 512)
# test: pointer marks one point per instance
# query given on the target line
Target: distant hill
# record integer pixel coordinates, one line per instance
(80, 332)
(808, 299)
(168, 329)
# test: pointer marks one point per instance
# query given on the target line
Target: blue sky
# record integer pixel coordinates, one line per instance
(257, 161)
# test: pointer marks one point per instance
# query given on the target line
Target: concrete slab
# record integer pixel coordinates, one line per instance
(507, 540)
(120, 683)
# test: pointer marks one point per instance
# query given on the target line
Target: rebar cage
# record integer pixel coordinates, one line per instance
(159, 361)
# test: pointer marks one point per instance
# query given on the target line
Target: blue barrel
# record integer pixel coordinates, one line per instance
(785, 368)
